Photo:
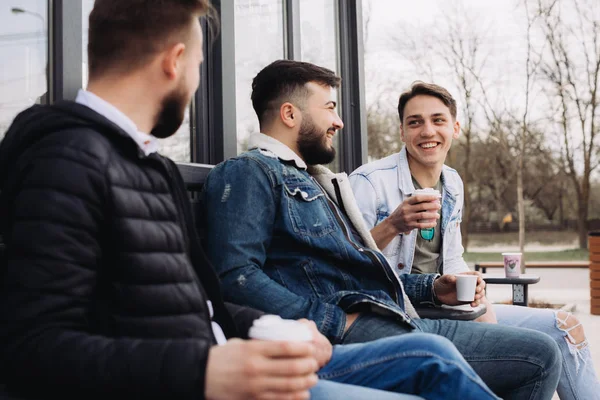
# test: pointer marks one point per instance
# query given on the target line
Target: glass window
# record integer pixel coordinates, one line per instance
(177, 147)
(23, 58)
(259, 40)
(319, 45)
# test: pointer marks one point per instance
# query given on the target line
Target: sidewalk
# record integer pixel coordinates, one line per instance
(561, 286)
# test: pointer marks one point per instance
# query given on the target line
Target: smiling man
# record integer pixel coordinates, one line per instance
(286, 237)
(399, 219)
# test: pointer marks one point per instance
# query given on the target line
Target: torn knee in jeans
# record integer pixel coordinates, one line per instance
(573, 329)
(574, 334)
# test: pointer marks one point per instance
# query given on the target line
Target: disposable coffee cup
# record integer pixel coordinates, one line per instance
(512, 264)
(273, 327)
(428, 191)
(465, 287)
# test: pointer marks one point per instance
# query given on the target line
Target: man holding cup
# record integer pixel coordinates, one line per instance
(420, 234)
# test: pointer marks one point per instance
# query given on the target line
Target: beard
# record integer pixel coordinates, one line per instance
(171, 114)
(312, 143)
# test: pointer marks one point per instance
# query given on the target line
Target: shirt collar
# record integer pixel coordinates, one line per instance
(268, 143)
(146, 142)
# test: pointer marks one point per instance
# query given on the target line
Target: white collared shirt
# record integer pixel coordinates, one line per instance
(146, 142)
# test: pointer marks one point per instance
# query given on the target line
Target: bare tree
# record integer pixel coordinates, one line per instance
(571, 69)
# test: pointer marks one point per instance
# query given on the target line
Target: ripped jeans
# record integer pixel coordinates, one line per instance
(578, 380)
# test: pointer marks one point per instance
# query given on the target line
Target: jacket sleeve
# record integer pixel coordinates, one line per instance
(53, 273)
(419, 287)
(454, 263)
(240, 213)
(243, 317)
(366, 198)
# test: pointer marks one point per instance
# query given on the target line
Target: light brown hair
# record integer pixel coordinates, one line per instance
(125, 34)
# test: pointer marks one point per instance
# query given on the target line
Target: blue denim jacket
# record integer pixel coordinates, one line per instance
(279, 247)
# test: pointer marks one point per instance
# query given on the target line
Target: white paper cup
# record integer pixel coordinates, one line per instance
(428, 191)
(273, 327)
(512, 264)
(465, 287)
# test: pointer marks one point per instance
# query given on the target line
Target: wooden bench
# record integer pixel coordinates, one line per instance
(484, 265)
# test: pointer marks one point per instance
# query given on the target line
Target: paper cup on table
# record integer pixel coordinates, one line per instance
(512, 264)
(465, 287)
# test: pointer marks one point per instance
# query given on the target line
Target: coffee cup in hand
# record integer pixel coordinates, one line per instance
(273, 327)
(465, 287)
(429, 192)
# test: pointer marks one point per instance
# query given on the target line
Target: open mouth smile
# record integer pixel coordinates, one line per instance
(429, 145)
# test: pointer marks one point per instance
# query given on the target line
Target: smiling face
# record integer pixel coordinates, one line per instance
(427, 131)
(320, 122)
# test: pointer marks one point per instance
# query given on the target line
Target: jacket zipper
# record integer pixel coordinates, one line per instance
(368, 252)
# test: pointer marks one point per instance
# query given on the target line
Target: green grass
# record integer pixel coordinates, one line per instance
(565, 255)
(512, 238)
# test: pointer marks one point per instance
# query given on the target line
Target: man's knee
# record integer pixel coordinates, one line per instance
(572, 327)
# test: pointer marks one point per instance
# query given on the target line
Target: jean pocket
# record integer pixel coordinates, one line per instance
(308, 210)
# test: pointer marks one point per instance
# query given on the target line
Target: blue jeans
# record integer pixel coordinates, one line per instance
(578, 380)
(328, 390)
(515, 363)
(422, 364)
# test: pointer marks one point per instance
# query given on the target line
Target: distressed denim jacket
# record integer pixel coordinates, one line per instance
(279, 247)
(381, 186)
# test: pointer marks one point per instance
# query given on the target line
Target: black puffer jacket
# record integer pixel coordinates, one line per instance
(101, 294)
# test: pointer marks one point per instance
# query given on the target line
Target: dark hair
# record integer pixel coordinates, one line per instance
(285, 80)
(428, 89)
(124, 34)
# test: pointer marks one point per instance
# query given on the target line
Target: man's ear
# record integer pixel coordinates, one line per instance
(456, 130)
(402, 133)
(172, 60)
(289, 114)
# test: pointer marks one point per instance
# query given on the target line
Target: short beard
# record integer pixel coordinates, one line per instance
(312, 144)
(171, 115)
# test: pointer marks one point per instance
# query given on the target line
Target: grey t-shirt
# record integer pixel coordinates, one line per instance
(429, 244)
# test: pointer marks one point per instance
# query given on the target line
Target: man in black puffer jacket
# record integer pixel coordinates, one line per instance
(106, 291)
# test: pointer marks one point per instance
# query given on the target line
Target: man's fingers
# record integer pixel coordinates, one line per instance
(301, 395)
(290, 367)
(422, 198)
(288, 385)
(281, 349)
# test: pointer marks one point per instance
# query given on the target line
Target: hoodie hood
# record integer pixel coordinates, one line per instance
(39, 121)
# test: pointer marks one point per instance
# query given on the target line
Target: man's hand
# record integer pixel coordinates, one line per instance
(416, 212)
(256, 369)
(323, 347)
(445, 289)
(490, 314)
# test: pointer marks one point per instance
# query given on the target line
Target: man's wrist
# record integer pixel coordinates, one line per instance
(434, 297)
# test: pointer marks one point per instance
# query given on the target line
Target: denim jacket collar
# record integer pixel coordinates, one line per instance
(274, 148)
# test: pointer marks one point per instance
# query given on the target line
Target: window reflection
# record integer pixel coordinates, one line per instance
(176, 147)
(23, 57)
(258, 41)
(319, 44)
